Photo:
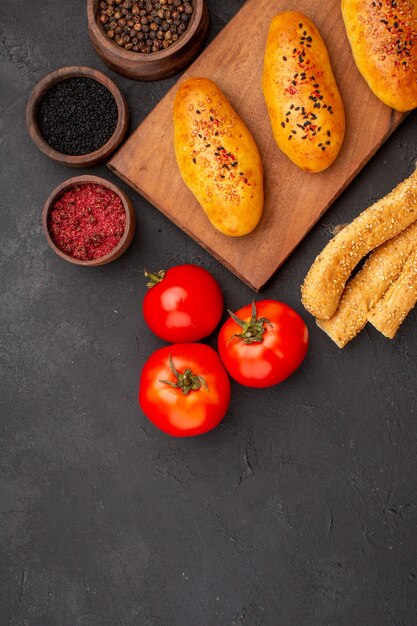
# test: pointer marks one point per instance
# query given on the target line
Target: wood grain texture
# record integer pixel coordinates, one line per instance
(294, 200)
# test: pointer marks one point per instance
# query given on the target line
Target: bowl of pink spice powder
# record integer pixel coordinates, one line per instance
(88, 221)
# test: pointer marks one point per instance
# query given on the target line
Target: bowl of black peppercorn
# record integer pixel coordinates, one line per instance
(148, 39)
(77, 116)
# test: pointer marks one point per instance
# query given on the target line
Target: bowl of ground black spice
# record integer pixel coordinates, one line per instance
(147, 39)
(88, 221)
(77, 116)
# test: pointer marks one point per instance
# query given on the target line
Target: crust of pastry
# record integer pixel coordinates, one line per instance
(326, 280)
(301, 94)
(383, 38)
(217, 157)
(401, 297)
(365, 290)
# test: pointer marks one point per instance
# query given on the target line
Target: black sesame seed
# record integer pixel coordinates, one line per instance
(77, 116)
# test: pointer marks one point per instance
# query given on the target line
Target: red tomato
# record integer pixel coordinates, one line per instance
(184, 389)
(263, 343)
(184, 304)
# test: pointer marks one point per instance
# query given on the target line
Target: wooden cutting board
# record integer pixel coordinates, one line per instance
(294, 200)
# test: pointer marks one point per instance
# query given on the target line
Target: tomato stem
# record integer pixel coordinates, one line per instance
(154, 279)
(252, 331)
(186, 381)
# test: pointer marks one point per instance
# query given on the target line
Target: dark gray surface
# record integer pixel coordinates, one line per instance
(300, 509)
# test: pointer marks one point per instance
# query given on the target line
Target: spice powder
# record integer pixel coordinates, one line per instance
(87, 221)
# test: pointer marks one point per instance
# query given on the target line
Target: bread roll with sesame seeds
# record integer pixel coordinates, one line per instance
(364, 290)
(218, 157)
(401, 297)
(325, 282)
(303, 101)
(383, 38)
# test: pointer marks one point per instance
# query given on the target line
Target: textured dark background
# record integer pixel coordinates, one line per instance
(300, 509)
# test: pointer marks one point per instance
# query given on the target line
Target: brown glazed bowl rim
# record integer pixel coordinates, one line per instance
(55, 77)
(126, 238)
(121, 54)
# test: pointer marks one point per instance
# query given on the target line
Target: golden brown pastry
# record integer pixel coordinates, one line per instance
(364, 290)
(401, 297)
(304, 104)
(383, 37)
(324, 284)
(218, 157)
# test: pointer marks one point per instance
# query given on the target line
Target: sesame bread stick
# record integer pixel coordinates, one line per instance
(324, 284)
(368, 286)
(391, 311)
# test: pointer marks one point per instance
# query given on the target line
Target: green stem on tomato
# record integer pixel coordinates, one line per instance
(252, 331)
(186, 381)
(154, 279)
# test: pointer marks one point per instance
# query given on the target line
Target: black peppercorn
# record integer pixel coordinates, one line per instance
(129, 22)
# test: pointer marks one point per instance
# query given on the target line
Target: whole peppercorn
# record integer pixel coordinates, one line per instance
(144, 26)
